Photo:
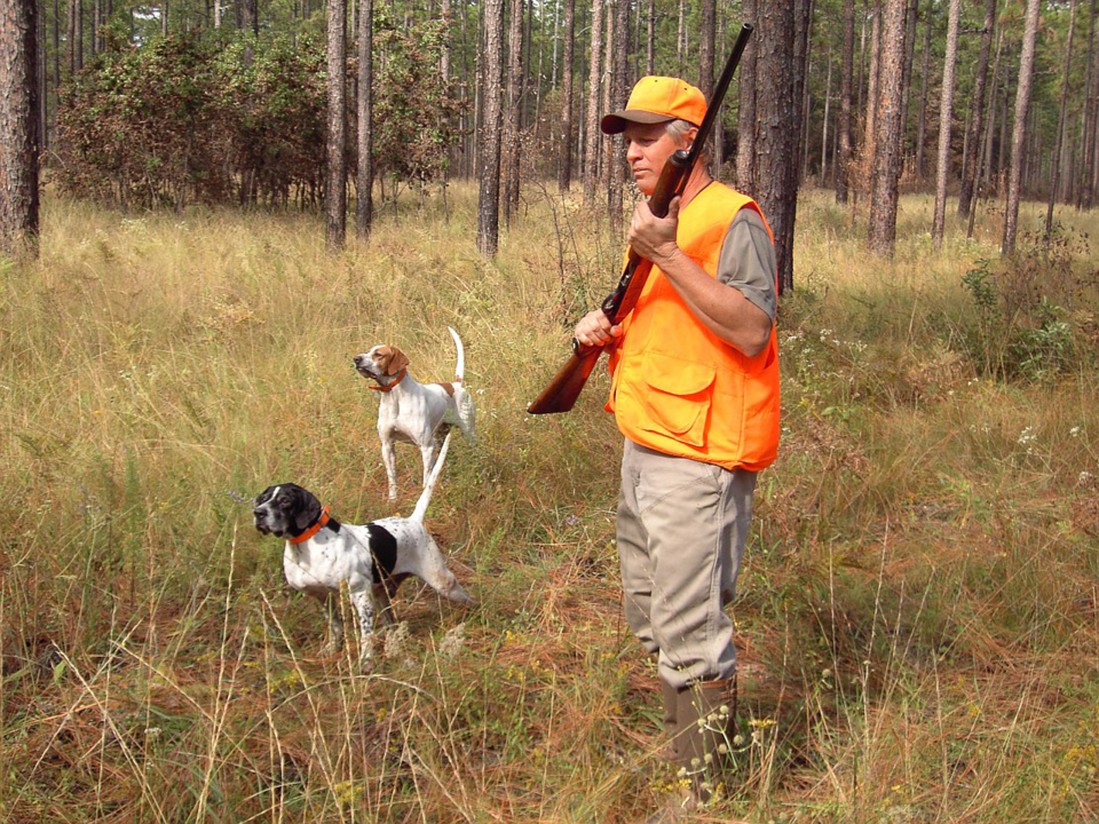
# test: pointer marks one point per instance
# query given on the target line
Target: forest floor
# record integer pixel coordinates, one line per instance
(917, 620)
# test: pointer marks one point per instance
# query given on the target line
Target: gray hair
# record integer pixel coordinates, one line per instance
(678, 129)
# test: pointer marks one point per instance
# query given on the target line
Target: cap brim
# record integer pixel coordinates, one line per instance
(616, 122)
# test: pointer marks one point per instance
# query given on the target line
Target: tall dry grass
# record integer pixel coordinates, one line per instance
(918, 615)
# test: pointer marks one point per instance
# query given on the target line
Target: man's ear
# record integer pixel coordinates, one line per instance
(689, 138)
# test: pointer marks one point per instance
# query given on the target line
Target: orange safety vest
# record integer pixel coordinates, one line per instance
(679, 389)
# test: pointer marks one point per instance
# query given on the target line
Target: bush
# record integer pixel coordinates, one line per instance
(1034, 311)
(231, 118)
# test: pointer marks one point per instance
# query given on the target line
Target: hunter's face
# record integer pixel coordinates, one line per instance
(648, 147)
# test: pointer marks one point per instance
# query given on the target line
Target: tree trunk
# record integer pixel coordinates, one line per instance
(18, 129)
(974, 137)
(595, 65)
(249, 16)
(843, 160)
(488, 199)
(513, 115)
(946, 114)
(568, 127)
(747, 122)
(1062, 117)
(681, 40)
(888, 141)
(706, 33)
(911, 18)
(921, 118)
(335, 193)
(870, 123)
(619, 92)
(824, 123)
(1090, 184)
(364, 174)
(1018, 131)
(780, 61)
(650, 39)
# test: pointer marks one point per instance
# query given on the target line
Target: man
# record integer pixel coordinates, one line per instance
(695, 392)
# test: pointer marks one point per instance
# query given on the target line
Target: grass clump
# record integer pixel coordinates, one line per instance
(917, 620)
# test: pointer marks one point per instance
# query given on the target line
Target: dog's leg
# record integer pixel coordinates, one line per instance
(467, 415)
(335, 626)
(389, 458)
(364, 606)
(427, 453)
(382, 596)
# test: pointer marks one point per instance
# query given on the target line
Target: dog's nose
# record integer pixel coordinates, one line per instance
(358, 360)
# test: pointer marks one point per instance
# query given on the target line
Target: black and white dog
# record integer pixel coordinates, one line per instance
(372, 559)
(412, 411)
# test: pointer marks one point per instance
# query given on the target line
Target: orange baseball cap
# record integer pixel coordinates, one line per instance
(655, 100)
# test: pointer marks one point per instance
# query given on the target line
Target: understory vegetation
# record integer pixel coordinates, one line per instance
(917, 620)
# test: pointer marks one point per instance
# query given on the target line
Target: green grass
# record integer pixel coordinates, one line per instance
(917, 623)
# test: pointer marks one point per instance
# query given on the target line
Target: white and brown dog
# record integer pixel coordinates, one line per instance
(412, 411)
(372, 559)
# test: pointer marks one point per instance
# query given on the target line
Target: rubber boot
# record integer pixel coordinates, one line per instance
(704, 727)
(706, 713)
(671, 724)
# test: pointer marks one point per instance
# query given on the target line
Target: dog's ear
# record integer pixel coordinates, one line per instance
(397, 361)
(306, 508)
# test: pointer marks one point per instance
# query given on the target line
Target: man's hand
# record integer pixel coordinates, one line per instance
(653, 238)
(595, 330)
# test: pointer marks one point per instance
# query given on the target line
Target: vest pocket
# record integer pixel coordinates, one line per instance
(677, 402)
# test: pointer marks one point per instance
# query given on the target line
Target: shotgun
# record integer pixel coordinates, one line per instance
(561, 393)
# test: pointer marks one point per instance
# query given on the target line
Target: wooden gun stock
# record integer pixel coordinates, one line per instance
(561, 393)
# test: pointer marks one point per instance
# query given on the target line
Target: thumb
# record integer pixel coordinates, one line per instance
(673, 209)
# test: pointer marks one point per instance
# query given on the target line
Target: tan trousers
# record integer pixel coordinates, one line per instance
(682, 525)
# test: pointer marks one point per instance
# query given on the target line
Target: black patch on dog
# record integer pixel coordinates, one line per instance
(305, 510)
(383, 547)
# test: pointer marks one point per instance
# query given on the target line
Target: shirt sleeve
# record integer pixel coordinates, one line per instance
(747, 260)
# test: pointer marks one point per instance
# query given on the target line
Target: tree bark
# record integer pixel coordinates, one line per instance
(19, 204)
(1018, 131)
(870, 115)
(513, 115)
(843, 160)
(911, 18)
(1058, 149)
(568, 124)
(592, 133)
(780, 62)
(707, 28)
(975, 136)
(618, 88)
(946, 114)
(888, 139)
(364, 175)
(247, 16)
(488, 199)
(335, 192)
(921, 118)
(747, 122)
(1089, 188)
(650, 39)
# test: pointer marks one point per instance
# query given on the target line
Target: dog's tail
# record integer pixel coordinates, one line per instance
(425, 497)
(460, 368)
(462, 399)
